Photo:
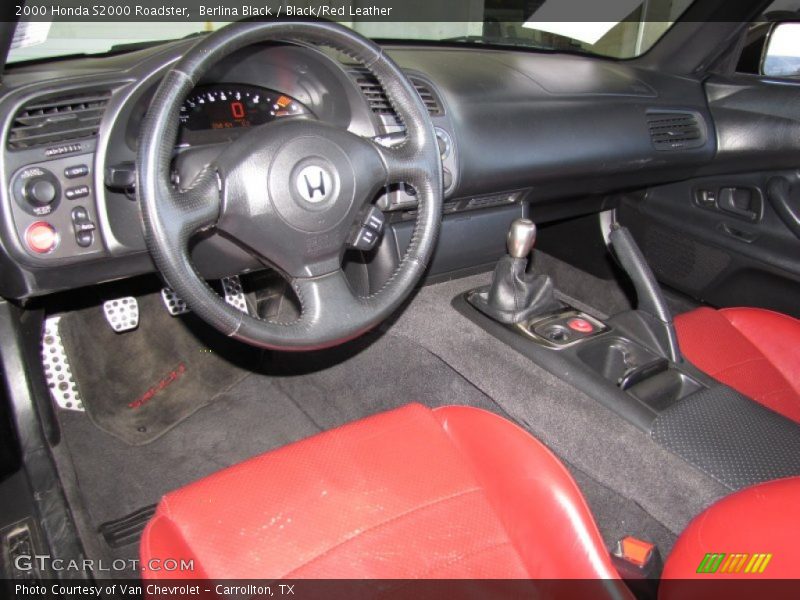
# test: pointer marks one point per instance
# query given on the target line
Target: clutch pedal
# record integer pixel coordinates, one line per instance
(122, 313)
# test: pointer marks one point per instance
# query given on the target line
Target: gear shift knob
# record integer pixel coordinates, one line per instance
(521, 238)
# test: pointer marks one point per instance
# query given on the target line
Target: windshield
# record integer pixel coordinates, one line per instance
(621, 29)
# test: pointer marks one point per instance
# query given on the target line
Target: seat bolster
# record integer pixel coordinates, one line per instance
(162, 542)
(777, 337)
(759, 520)
(533, 494)
(754, 351)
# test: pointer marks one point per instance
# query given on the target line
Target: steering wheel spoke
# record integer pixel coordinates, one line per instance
(326, 299)
(402, 162)
(197, 206)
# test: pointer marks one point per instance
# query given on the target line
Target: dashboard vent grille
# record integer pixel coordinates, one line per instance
(428, 98)
(379, 103)
(55, 119)
(675, 130)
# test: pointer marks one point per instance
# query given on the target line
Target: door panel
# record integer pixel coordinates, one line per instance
(719, 239)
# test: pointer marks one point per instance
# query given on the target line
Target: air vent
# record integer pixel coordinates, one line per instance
(675, 130)
(379, 103)
(428, 98)
(56, 119)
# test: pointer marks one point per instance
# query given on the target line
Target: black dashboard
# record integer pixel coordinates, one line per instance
(515, 129)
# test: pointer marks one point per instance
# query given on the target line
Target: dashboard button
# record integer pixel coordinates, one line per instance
(41, 237)
(79, 213)
(580, 325)
(84, 239)
(73, 193)
(374, 219)
(76, 171)
(365, 239)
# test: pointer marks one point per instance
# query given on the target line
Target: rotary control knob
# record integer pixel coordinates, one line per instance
(37, 191)
(40, 191)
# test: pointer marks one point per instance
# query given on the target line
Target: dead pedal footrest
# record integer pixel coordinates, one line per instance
(57, 370)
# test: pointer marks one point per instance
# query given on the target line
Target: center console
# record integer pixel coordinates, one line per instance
(604, 358)
(628, 361)
(631, 363)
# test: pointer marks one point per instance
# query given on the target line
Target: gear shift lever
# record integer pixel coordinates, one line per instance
(521, 238)
(516, 295)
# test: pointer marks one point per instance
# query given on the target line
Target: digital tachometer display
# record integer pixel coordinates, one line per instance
(236, 106)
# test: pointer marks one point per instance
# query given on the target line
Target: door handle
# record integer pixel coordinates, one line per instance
(744, 202)
(779, 193)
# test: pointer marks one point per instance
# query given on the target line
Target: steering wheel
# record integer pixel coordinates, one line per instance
(291, 192)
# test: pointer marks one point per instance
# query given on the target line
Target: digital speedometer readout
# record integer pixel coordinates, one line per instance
(236, 106)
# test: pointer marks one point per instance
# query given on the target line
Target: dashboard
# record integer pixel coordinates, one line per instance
(513, 133)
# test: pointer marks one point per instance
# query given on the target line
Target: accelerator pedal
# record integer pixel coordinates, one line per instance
(57, 370)
(122, 313)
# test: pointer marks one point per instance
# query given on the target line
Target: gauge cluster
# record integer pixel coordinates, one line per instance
(226, 108)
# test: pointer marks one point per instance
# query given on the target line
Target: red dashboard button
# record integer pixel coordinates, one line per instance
(580, 325)
(41, 237)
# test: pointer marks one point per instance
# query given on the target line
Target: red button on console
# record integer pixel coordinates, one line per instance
(41, 237)
(580, 325)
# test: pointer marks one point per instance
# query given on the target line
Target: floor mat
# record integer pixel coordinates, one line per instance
(139, 384)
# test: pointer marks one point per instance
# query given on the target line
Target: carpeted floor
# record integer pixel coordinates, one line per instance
(430, 354)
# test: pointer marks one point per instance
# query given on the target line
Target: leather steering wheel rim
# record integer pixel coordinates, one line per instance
(331, 312)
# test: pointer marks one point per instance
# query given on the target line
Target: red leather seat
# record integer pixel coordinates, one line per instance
(754, 351)
(413, 493)
(754, 530)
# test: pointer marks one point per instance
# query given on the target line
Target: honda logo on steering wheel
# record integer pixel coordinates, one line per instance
(314, 184)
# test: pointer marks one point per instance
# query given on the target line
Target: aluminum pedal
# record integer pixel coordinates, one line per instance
(122, 313)
(234, 294)
(57, 370)
(174, 303)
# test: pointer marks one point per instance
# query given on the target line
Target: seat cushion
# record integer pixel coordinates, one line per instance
(451, 493)
(753, 533)
(754, 351)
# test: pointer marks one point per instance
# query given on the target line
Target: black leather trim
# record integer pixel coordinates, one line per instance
(731, 437)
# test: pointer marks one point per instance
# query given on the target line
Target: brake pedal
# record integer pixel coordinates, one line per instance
(234, 294)
(57, 370)
(122, 313)
(174, 303)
